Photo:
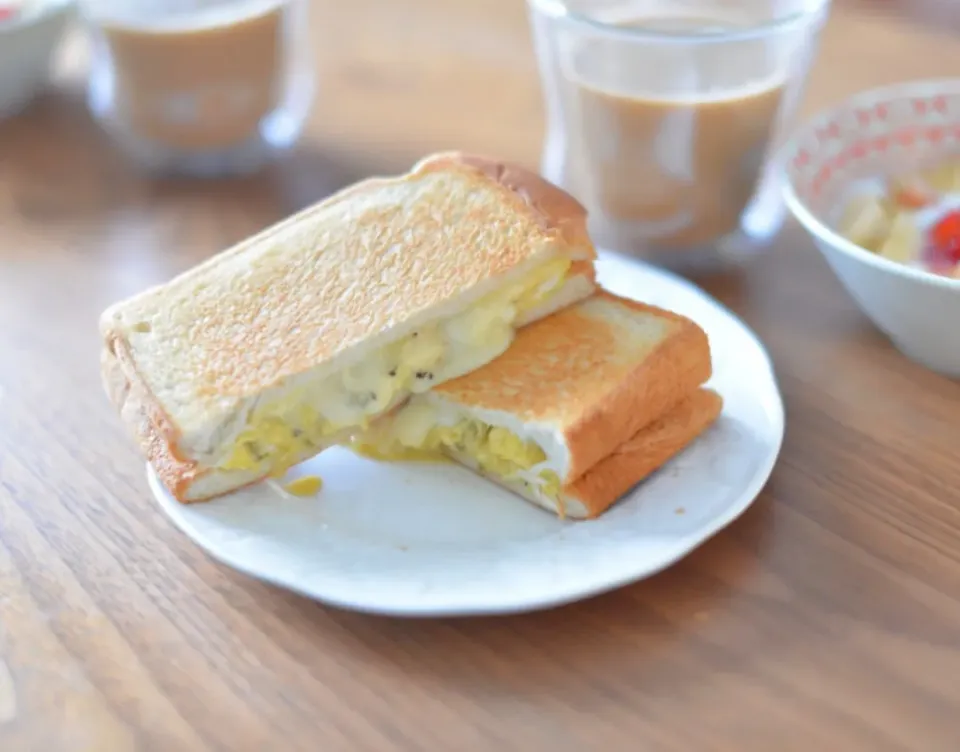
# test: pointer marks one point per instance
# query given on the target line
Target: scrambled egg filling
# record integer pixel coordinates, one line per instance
(414, 435)
(308, 485)
(280, 434)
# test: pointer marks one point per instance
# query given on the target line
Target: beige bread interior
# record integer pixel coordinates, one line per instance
(188, 362)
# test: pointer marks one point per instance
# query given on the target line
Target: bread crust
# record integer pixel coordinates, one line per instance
(554, 208)
(154, 431)
(630, 463)
(658, 383)
(584, 269)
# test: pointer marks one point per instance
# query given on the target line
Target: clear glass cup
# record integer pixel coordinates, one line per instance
(200, 87)
(662, 116)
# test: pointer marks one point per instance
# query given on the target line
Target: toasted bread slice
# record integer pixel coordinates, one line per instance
(593, 375)
(265, 354)
(629, 464)
(571, 389)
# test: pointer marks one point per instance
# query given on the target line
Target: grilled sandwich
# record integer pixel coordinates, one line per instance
(292, 340)
(581, 407)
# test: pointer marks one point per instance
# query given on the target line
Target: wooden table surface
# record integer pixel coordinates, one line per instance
(827, 618)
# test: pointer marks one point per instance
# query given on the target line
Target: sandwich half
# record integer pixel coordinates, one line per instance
(269, 352)
(581, 407)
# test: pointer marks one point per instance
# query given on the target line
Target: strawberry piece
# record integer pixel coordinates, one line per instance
(952, 251)
(945, 238)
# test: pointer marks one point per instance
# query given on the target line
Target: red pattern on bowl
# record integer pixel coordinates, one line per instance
(876, 134)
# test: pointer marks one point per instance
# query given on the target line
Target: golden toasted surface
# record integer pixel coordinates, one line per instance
(635, 459)
(555, 208)
(314, 286)
(560, 368)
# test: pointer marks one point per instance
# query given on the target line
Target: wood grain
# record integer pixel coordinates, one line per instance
(828, 617)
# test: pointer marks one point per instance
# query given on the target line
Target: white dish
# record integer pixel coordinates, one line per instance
(883, 132)
(459, 545)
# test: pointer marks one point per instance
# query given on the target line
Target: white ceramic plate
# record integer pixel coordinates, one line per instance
(431, 540)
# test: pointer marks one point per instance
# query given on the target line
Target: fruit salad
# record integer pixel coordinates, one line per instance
(913, 219)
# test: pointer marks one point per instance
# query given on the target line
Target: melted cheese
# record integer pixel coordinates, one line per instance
(280, 433)
(414, 434)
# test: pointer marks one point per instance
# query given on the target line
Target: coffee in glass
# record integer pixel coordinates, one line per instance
(661, 116)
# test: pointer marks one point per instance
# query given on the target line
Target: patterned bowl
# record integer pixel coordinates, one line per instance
(880, 133)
